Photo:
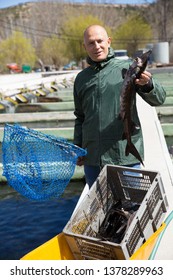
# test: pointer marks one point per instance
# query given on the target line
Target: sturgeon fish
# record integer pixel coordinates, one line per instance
(127, 97)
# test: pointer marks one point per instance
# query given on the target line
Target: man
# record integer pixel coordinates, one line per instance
(97, 104)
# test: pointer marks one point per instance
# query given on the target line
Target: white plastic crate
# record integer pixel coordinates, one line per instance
(115, 184)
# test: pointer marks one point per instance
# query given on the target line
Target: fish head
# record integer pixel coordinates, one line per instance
(145, 57)
(137, 67)
(141, 63)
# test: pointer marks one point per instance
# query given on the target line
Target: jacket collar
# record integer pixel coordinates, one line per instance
(98, 65)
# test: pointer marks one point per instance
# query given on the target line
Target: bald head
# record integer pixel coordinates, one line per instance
(96, 42)
(95, 28)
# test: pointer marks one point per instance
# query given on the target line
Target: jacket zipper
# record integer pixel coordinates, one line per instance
(100, 110)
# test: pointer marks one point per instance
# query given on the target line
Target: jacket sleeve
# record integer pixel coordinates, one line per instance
(79, 119)
(154, 94)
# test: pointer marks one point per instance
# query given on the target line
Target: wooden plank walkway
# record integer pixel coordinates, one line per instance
(45, 107)
(36, 117)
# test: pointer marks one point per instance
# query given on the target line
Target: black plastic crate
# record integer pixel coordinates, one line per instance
(112, 185)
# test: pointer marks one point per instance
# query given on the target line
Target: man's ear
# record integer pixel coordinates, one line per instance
(109, 41)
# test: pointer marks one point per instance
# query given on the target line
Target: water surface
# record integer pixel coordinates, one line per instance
(26, 224)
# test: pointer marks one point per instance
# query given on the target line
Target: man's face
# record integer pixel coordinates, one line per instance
(96, 43)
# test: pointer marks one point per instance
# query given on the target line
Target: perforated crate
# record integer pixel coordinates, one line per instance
(115, 184)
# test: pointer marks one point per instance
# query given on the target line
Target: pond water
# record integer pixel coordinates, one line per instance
(26, 224)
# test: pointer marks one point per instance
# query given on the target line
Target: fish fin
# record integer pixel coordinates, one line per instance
(133, 127)
(121, 116)
(131, 149)
(127, 151)
(123, 72)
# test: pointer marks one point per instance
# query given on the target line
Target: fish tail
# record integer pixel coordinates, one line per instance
(131, 149)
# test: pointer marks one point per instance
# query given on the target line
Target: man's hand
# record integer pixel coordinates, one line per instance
(80, 161)
(144, 79)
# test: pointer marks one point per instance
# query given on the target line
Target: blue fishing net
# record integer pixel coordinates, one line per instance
(37, 165)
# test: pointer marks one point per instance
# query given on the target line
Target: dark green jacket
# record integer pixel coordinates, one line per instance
(97, 103)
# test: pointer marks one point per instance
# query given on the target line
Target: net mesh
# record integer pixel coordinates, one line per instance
(37, 165)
